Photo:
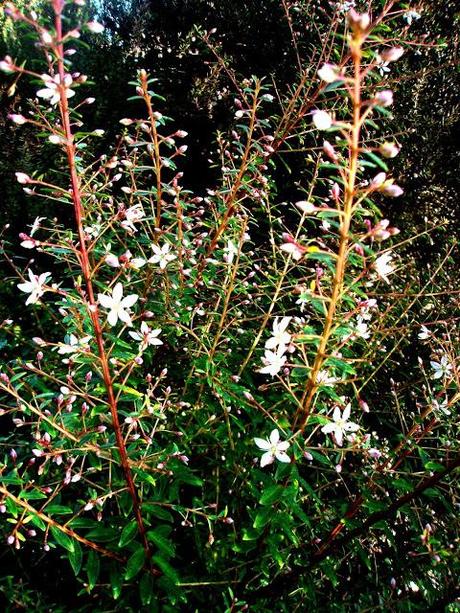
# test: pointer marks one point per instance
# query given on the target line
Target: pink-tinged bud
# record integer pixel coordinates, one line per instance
(10, 539)
(181, 134)
(392, 190)
(88, 376)
(46, 37)
(306, 207)
(7, 65)
(374, 453)
(329, 73)
(338, 468)
(95, 27)
(89, 100)
(308, 456)
(358, 249)
(13, 455)
(364, 406)
(22, 178)
(389, 150)
(378, 180)
(126, 121)
(392, 55)
(18, 119)
(321, 120)
(384, 98)
(69, 52)
(358, 21)
(40, 356)
(329, 150)
(182, 149)
(392, 583)
(2, 508)
(73, 34)
(335, 191)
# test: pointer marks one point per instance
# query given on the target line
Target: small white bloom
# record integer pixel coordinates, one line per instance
(306, 207)
(74, 344)
(146, 336)
(161, 255)
(383, 266)
(36, 224)
(329, 73)
(321, 120)
(230, 251)
(117, 305)
(340, 424)
(324, 378)
(361, 329)
(441, 406)
(274, 449)
(52, 91)
(274, 361)
(132, 215)
(280, 338)
(424, 333)
(441, 368)
(34, 287)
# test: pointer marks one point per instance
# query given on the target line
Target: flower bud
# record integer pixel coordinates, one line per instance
(384, 97)
(392, 55)
(18, 119)
(321, 120)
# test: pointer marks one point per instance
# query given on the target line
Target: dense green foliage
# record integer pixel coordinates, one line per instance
(269, 410)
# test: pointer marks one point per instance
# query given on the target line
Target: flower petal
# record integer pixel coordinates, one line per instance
(267, 459)
(274, 437)
(283, 457)
(262, 443)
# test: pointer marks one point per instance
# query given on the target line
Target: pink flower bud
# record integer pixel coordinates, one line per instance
(329, 73)
(392, 55)
(18, 119)
(329, 151)
(378, 180)
(22, 178)
(389, 150)
(393, 190)
(335, 191)
(181, 134)
(358, 21)
(384, 97)
(95, 27)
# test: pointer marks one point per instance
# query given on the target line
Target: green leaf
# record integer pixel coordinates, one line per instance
(135, 563)
(76, 558)
(62, 539)
(116, 581)
(272, 494)
(146, 589)
(161, 542)
(92, 569)
(167, 569)
(58, 509)
(127, 534)
(263, 517)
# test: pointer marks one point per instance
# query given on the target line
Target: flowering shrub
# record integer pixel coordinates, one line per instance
(180, 336)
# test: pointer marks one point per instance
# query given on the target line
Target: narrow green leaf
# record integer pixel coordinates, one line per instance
(127, 534)
(161, 542)
(135, 563)
(272, 494)
(92, 569)
(116, 581)
(76, 558)
(146, 589)
(62, 539)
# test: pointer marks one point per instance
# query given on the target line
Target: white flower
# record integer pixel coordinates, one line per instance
(273, 449)
(410, 16)
(280, 338)
(74, 344)
(146, 336)
(34, 286)
(324, 378)
(322, 120)
(424, 333)
(441, 368)
(361, 328)
(52, 91)
(161, 255)
(274, 362)
(132, 215)
(117, 305)
(340, 424)
(229, 252)
(306, 207)
(441, 406)
(383, 267)
(329, 73)
(36, 224)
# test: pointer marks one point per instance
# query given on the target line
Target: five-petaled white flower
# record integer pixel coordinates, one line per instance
(340, 424)
(274, 448)
(132, 215)
(383, 266)
(146, 336)
(161, 255)
(117, 305)
(280, 338)
(74, 344)
(34, 286)
(52, 91)
(274, 362)
(441, 368)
